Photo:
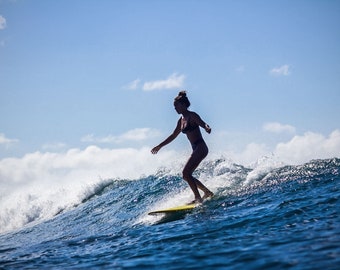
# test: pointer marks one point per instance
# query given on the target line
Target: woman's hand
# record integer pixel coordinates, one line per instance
(207, 128)
(155, 149)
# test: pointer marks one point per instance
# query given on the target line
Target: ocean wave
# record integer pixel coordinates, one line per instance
(61, 189)
(266, 216)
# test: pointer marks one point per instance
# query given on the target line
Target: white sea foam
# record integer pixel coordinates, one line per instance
(39, 185)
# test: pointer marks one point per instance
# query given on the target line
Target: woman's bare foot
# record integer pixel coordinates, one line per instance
(196, 201)
(207, 195)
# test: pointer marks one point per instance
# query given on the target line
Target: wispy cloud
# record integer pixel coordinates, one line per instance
(173, 81)
(276, 127)
(132, 85)
(6, 141)
(280, 71)
(54, 146)
(2, 22)
(136, 135)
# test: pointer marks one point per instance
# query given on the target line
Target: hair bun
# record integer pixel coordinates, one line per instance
(182, 97)
(182, 93)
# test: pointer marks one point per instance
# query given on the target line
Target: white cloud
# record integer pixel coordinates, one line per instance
(251, 153)
(276, 127)
(133, 85)
(309, 146)
(6, 141)
(2, 22)
(280, 71)
(297, 150)
(137, 134)
(173, 81)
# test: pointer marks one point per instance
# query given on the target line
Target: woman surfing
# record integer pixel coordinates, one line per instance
(190, 124)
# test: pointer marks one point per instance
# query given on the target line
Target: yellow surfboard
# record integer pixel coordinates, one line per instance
(173, 210)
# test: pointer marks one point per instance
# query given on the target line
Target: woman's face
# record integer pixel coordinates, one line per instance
(179, 107)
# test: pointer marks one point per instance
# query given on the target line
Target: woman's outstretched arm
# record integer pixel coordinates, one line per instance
(169, 139)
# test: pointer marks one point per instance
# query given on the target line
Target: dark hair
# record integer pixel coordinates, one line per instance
(182, 97)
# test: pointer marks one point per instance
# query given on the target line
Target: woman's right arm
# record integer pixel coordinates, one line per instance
(169, 139)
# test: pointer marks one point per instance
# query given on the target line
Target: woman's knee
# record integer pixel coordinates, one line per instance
(187, 174)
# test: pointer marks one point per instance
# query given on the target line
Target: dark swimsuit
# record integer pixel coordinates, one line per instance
(189, 128)
(196, 143)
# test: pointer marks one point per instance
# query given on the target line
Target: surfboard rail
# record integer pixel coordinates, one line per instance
(177, 209)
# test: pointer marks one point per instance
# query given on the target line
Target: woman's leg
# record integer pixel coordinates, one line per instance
(197, 156)
(207, 192)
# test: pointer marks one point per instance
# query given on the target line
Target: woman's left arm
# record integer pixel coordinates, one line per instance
(197, 119)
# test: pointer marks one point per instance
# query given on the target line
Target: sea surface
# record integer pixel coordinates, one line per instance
(282, 217)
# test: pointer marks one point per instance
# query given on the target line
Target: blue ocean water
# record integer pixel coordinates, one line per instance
(275, 218)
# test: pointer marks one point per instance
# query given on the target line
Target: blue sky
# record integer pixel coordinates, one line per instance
(264, 74)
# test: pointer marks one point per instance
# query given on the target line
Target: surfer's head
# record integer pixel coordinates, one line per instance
(182, 98)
